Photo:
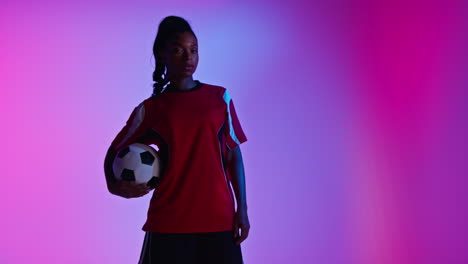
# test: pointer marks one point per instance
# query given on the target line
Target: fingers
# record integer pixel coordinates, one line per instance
(244, 234)
(132, 189)
(142, 189)
(136, 194)
(236, 230)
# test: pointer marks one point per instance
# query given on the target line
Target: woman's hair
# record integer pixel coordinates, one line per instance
(168, 28)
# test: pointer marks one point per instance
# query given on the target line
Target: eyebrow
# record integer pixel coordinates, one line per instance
(180, 44)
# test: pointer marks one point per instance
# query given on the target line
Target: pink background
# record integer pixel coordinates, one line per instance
(355, 115)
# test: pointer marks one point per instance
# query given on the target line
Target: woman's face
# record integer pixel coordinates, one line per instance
(181, 55)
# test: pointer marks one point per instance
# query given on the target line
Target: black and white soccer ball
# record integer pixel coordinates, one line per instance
(138, 163)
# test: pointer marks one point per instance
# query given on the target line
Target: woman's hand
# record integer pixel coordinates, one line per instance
(129, 189)
(241, 220)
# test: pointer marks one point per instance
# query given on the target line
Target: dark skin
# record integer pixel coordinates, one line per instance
(235, 165)
(179, 52)
(180, 55)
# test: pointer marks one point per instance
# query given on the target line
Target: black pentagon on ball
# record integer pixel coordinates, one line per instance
(147, 158)
(123, 152)
(154, 182)
(127, 175)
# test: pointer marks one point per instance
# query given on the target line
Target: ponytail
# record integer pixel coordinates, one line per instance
(168, 28)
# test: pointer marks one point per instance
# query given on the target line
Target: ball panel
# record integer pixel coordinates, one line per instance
(127, 175)
(143, 174)
(147, 158)
(154, 182)
(139, 163)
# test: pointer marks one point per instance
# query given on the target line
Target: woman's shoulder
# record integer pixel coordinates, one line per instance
(146, 103)
(217, 89)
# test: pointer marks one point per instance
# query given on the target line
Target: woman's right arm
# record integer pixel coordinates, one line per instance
(110, 179)
(131, 132)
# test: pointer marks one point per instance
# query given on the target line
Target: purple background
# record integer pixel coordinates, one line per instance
(355, 115)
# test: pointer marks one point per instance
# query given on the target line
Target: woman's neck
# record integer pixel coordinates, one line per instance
(184, 84)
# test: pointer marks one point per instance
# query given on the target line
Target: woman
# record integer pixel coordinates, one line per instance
(192, 216)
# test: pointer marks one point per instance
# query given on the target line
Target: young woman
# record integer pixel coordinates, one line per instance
(192, 216)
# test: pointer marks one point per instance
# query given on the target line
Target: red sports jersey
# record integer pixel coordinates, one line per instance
(192, 130)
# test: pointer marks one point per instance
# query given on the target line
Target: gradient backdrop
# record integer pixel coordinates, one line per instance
(355, 114)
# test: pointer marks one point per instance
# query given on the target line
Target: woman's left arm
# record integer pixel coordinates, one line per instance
(235, 167)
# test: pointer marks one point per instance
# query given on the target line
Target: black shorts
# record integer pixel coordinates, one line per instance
(190, 248)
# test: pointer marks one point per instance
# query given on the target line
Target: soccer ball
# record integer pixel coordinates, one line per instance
(139, 163)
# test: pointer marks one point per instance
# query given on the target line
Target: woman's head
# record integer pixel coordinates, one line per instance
(175, 48)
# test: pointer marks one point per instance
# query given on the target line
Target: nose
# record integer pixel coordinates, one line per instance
(188, 56)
